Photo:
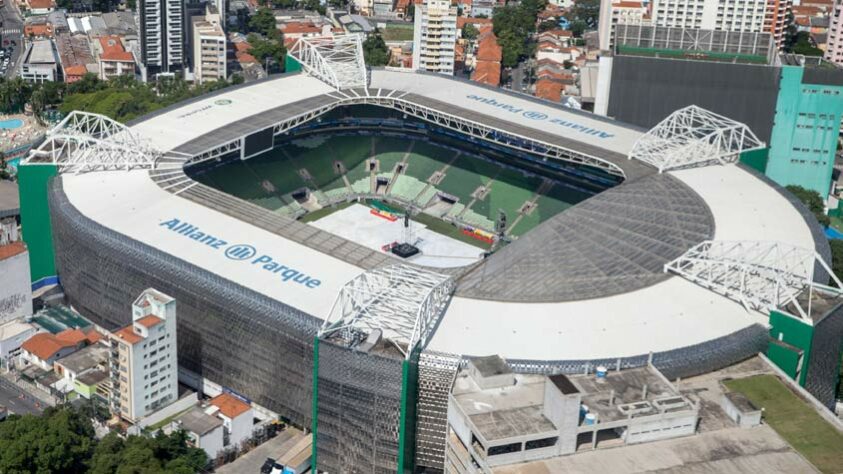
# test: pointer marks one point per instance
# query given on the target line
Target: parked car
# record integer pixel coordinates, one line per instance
(267, 466)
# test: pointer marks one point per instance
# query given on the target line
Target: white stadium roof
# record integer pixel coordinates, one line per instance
(670, 314)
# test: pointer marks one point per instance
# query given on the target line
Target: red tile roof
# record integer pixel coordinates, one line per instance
(72, 336)
(10, 250)
(229, 405)
(41, 4)
(45, 345)
(300, 27)
(488, 48)
(549, 89)
(128, 334)
(113, 50)
(487, 72)
(150, 321)
(75, 70)
(478, 22)
(93, 336)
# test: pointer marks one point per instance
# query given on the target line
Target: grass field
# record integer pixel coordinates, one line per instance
(398, 33)
(794, 420)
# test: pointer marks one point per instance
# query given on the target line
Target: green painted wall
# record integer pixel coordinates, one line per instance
(756, 159)
(291, 64)
(35, 218)
(407, 421)
(86, 391)
(804, 137)
(791, 331)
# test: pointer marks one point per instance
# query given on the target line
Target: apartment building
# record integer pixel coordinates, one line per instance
(613, 12)
(143, 360)
(435, 36)
(162, 36)
(834, 46)
(209, 43)
(114, 60)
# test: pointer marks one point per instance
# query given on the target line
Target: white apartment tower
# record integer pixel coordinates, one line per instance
(208, 46)
(724, 15)
(143, 361)
(162, 35)
(613, 12)
(834, 50)
(435, 36)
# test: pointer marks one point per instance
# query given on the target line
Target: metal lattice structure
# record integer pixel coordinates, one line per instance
(693, 136)
(403, 302)
(86, 141)
(760, 275)
(337, 60)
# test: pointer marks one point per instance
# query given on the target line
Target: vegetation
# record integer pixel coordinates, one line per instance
(375, 52)
(470, 32)
(397, 33)
(813, 201)
(794, 420)
(803, 45)
(584, 16)
(837, 262)
(513, 25)
(62, 440)
(265, 37)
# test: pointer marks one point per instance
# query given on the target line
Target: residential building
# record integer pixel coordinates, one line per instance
(44, 349)
(113, 59)
(15, 285)
(143, 361)
(237, 417)
(435, 36)
(203, 431)
(209, 47)
(613, 12)
(162, 36)
(834, 47)
(91, 358)
(40, 7)
(12, 336)
(75, 73)
(792, 103)
(37, 27)
(487, 67)
(75, 55)
(500, 418)
(40, 62)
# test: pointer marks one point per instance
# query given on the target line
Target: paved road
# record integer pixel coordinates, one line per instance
(18, 401)
(12, 30)
(251, 462)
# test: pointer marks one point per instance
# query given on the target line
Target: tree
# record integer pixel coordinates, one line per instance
(805, 46)
(263, 22)
(548, 25)
(375, 52)
(586, 11)
(836, 256)
(410, 13)
(813, 201)
(58, 441)
(470, 32)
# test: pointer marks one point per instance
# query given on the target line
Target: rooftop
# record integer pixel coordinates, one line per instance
(85, 358)
(13, 328)
(229, 405)
(9, 199)
(41, 52)
(12, 249)
(92, 377)
(197, 421)
(741, 402)
(45, 345)
(149, 321)
(113, 50)
(128, 334)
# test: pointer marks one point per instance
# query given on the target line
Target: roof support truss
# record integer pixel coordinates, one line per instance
(337, 60)
(760, 275)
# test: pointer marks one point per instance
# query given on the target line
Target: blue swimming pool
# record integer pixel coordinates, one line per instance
(11, 124)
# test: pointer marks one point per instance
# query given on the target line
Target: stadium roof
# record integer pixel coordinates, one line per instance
(587, 283)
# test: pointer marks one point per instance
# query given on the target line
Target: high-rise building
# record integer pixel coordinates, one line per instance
(143, 360)
(613, 12)
(162, 35)
(435, 36)
(834, 46)
(209, 56)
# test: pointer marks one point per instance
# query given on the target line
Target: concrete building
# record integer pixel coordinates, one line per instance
(209, 46)
(740, 409)
(204, 431)
(44, 349)
(236, 415)
(91, 358)
(162, 36)
(497, 417)
(613, 12)
(113, 59)
(12, 336)
(143, 361)
(15, 286)
(435, 36)
(40, 62)
(834, 45)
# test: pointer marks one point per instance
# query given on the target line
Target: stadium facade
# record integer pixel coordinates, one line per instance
(284, 313)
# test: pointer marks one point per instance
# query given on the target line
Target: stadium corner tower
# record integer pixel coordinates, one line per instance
(360, 346)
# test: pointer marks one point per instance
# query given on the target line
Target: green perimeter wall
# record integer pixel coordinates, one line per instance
(795, 333)
(291, 64)
(804, 137)
(35, 218)
(756, 159)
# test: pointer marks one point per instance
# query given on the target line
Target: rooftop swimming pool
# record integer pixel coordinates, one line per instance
(11, 124)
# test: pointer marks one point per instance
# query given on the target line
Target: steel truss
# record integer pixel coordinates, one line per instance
(337, 60)
(408, 107)
(693, 136)
(760, 275)
(85, 141)
(403, 302)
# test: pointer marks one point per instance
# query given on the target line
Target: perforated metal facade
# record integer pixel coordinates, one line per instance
(824, 364)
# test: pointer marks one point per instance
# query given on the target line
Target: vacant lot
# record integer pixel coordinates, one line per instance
(397, 33)
(794, 420)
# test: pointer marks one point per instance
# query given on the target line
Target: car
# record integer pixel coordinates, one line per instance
(267, 466)
(278, 468)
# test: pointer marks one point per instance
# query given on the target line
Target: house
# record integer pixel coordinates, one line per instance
(114, 60)
(487, 67)
(70, 368)
(91, 384)
(237, 417)
(44, 349)
(549, 89)
(38, 27)
(40, 7)
(203, 431)
(12, 335)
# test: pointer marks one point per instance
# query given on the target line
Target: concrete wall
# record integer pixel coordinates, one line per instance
(241, 428)
(663, 428)
(15, 288)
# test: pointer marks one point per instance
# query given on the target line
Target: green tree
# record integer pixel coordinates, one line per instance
(263, 22)
(586, 11)
(470, 32)
(375, 52)
(805, 46)
(813, 201)
(58, 441)
(548, 25)
(836, 256)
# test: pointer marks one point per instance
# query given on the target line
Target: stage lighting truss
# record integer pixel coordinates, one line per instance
(760, 275)
(693, 136)
(85, 141)
(403, 302)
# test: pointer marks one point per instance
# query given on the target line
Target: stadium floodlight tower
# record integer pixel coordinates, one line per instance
(693, 136)
(85, 141)
(337, 60)
(399, 302)
(760, 275)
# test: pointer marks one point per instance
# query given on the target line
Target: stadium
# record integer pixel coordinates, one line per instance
(555, 238)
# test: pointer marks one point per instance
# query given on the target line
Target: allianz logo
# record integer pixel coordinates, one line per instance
(241, 252)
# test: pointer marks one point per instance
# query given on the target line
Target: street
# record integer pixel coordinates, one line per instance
(11, 30)
(16, 400)
(251, 462)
